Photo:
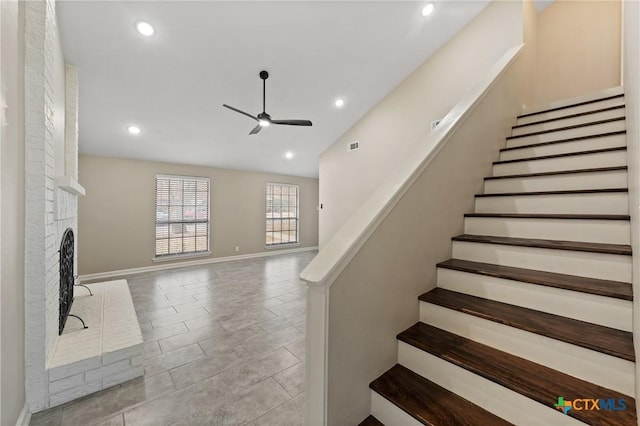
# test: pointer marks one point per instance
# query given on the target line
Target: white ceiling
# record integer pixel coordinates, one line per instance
(173, 84)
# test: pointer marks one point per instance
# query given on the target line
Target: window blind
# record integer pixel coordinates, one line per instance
(182, 215)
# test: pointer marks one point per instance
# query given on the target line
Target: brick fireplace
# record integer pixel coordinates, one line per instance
(52, 188)
(63, 367)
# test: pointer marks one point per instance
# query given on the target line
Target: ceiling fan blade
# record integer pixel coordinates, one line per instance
(255, 129)
(292, 122)
(241, 112)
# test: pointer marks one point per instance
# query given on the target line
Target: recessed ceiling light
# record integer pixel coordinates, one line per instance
(145, 28)
(339, 102)
(264, 123)
(289, 155)
(134, 130)
(428, 9)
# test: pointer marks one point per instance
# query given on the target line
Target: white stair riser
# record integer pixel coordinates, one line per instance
(592, 230)
(591, 203)
(611, 141)
(570, 111)
(573, 162)
(595, 129)
(596, 367)
(570, 121)
(389, 413)
(606, 311)
(585, 264)
(561, 182)
(503, 402)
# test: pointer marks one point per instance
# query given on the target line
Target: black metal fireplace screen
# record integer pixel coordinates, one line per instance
(67, 280)
(66, 277)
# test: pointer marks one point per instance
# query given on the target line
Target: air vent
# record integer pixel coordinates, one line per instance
(352, 146)
(434, 124)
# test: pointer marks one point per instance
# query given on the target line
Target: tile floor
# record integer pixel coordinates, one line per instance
(224, 345)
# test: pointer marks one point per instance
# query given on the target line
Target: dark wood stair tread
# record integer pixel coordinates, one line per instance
(565, 154)
(535, 381)
(565, 117)
(561, 172)
(599, 338)
(574, 126)
(371, 421)
(563, 192)
(572, 105)
(621, 249)
(551, 216)
(429, 403)
(614, 289)
(578, 138)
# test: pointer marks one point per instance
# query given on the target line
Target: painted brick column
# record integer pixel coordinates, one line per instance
(40, 33)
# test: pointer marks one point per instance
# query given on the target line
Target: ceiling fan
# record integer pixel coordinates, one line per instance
(263, 118)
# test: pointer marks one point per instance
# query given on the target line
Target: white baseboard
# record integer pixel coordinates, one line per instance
(124, 272)
(25, 416)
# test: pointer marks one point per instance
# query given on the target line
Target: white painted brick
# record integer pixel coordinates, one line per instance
(71, 369)
(137, 361)
(126, 353)
(67, 383)
(107, 370)
(75, 393)
(125, 376)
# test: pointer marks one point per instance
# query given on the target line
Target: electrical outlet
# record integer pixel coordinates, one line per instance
(237, 248)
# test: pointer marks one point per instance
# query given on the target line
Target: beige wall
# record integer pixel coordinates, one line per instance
(12, 215)
(376, 295)
(404, 116)
(116, 222)
(631, 77)
(530, 30)
(578, 49)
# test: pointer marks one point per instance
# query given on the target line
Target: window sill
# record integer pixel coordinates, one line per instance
(169, 258)
(281, 246)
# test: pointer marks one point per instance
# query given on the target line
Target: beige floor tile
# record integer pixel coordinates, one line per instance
(297, 348)
(173, 359)
(291, 413)
(206, 395)
(201, 369)
(248, 405)
(292, 379)
(257, 369)
(272, 341)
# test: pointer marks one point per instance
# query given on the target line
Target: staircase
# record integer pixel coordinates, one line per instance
(534, 310)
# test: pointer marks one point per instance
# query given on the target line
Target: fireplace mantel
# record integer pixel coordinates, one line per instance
(70, 185)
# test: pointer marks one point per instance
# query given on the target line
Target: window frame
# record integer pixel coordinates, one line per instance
(197, 253)
(296, 218)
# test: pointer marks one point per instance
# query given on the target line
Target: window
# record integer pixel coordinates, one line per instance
(282, 214)
(182, 215)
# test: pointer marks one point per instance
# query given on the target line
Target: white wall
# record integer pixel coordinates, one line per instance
(631, 76)
(12, 387)
(403, 117)
(59, 72)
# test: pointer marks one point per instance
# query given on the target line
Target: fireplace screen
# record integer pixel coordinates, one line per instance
(66, 277)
